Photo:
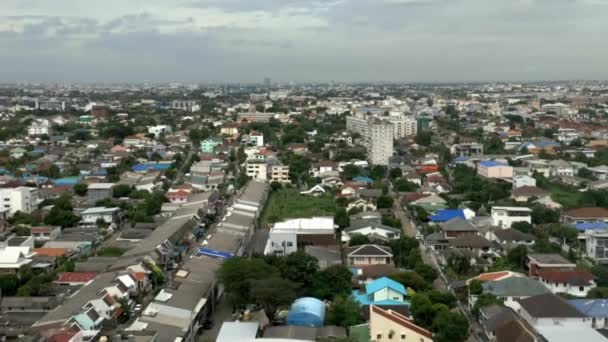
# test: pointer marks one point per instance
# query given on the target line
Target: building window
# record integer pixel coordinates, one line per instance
(403, 336)
(379, 337)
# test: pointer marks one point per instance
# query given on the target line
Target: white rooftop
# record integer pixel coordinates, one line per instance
(513, 209)
(305, 224)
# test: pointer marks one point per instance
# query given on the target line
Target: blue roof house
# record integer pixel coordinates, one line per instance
(596, 309)
(382, 291)
(363, 179)
(306, 312)
(444, 215)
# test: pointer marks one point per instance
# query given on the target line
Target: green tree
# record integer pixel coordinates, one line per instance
(332, 281)
(21, 218)
(9, 284)
(395, 173)
(351, 171)
(475, 287)
(299, 267)
(378, 172)
(450, 327)
(427, 272)
(344, 312)
(411, 280)
(237, 275)
(80, 189)
(423, 138)
(121, 190)
(585, 173)
(441, 297)
(518, 256)
(384, 202)
(598, 292)
(358, 240)
(341, 218)
(522, 226)
(271, 293)
(60, 217)
(22, 230)
(422, 310)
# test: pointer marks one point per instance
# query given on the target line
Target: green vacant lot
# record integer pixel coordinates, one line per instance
(288, 203)
(567, 196)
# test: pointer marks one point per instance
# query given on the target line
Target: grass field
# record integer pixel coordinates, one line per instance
(565, 195)
(288, 203)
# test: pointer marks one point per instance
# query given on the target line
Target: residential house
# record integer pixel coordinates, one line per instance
(279, 173)
(13, 257)
(323, 169)
(492, 317)
(389, 325)
(383, 291)
(556, 320)
(372, 229)
(74, 278)
(366, 255)
(256, 168)
(230, 129)
(575, 282)
(525, 193)
(599, 172)
(457, 227)
(46, 233)
(316, 190)
(93, 215)
(539, 261)
(430, 203)
(505, 216)
(209, 144)
(179, 196)
(594, 309)
(288, 236)
(479, 246)
(524, 180)
(515, 331)
(362, 205)
(444, 215)
(100, 191)
(585, 215)
(494, 170)
(511, 290)
(596, 245)
(21, 199)
(509, 238)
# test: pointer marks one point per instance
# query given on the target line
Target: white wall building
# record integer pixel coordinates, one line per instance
(39, 127)
(380, 143)
(159, 129)
(505, 216)
(521, 181)
(256, 169)
(403, 126)
(18, 199)
(283, 236)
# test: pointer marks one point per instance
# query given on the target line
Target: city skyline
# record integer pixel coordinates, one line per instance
(212, 41)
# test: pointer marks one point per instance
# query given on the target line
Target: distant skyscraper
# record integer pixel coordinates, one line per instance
(267, 83)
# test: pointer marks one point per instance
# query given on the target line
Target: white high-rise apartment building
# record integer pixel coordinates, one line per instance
(357, 123)
(380, 142)
(17, 199)
(403, 126)
(39, 127)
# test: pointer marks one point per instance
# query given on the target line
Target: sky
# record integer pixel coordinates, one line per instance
(208, 41)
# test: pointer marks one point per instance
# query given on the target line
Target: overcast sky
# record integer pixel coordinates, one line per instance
(302, 40)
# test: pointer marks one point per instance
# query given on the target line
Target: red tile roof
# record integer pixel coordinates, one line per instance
(575, 276)
(50, 252)
(76, 277)
(593, 212)
(401, 320)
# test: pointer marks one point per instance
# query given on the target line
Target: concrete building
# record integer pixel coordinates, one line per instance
(505, 216)
(186, 105)
(100, 191)
(279, 173)
(39, 127)
(18, 199)
(389, 325)
(494, 170)
(92, 215)
(159, 129)
(100, 112)
(403, 126)
(380, 143)
(285, 237)
(256, 168)
(357, 123)
(596, 246)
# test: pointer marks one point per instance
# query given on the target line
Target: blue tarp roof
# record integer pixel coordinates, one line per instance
(154, 166)
(306, 312)
(591, 307)
(67, 181)
(491, 163)
(213, 253)
(363, 179)
(461, 159)
(589, 226)
(444, 215)
(382, 283)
